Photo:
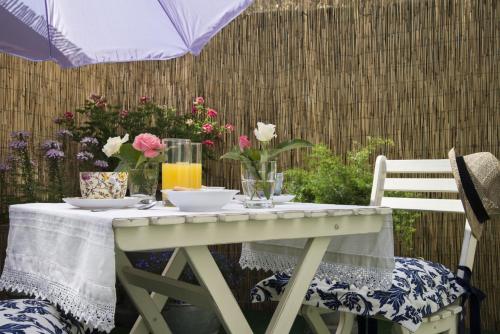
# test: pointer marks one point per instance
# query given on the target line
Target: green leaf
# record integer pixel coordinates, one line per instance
(141, 160)
(129, 155)
(233, 155)
(287, 146)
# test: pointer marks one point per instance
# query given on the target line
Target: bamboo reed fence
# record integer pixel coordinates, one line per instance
(423, 73)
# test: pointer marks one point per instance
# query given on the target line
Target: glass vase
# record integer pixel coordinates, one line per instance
(258, 181)
(143, 181)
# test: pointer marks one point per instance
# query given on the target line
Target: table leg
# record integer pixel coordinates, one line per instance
(173, 270)
(209, 276)
(296, 288)
(141, 298)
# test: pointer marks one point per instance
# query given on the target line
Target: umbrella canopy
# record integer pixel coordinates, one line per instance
(81, 32)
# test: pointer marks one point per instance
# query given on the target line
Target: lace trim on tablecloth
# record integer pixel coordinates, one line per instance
(359, 276)
(100, 316)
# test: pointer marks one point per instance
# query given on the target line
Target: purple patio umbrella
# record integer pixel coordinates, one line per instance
(80, 32)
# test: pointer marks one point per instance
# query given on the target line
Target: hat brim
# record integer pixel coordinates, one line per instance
(476, 226)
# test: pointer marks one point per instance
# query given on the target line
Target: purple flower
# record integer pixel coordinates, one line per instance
(101, 164)
(18, 145)
(54, 154)
(84, 156)
(11, 158)
(89, 141)
(58, 120)
(64, 133)
(51, 144)
(4, 168)
(21, 135)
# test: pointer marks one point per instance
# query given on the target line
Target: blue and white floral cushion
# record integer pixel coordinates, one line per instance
(418, 289)
(34, 316)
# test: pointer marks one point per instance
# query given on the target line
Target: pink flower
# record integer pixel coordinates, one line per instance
(211, 113)
(194, 110)
(244, 143)
(208, 143)
(68, 115)
(123, 113)
(229, 127)
(199, 100)
(94, 97)
(207, 128)
(144, 99)
(149, 144)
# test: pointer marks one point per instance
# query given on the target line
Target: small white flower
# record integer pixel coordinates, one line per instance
(189, 122)
(265, 132)
(113, 145)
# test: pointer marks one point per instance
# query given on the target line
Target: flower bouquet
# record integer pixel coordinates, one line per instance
(258, 165)
(140, 159)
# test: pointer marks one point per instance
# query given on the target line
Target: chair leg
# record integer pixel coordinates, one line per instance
(313, 318)
(346, 322)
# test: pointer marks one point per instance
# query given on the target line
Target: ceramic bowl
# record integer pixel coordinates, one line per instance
(103, 185)
(200, 200)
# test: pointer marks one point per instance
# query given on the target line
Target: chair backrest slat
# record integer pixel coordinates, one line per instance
(421, 184)
(424, 204)
(418, 166)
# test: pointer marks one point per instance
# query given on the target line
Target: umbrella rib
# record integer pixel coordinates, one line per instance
(48, 29)
(173, 23)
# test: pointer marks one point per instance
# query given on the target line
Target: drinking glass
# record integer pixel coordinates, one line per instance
(176, 168)
(196, 156)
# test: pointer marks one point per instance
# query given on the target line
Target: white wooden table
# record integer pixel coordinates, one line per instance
(191, 234)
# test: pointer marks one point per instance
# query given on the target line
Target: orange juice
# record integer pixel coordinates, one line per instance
(181, 175)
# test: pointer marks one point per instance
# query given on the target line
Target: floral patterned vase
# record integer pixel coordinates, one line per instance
(103, 185)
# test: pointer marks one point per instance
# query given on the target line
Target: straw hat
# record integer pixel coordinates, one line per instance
(478, 180)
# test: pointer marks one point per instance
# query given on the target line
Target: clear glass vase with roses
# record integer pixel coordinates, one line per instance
(141, 160)
(258, 165)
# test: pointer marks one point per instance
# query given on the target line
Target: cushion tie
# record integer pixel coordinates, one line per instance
(475, 297)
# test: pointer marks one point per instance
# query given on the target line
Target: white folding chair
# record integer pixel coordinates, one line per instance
(446, 319)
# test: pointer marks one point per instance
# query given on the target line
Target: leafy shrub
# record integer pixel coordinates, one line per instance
(326, 178)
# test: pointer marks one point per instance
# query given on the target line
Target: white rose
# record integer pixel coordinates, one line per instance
(265, 132)
(113, 145)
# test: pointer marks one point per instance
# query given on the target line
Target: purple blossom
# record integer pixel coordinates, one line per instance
(84, 156)
(64, 133)
(11, 158)
(54, 154)
(58, 120)
(18, 145)
(89, 141)
(101, 164)
(21, 135)
(51, 144)
(4, 168)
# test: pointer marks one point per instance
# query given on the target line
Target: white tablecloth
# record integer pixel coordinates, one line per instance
(66, 255)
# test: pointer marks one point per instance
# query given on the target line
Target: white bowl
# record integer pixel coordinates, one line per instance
(200, 200)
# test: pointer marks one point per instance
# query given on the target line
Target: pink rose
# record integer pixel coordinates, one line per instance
(199, 100)
(144, 99)
(149, 144)
(211, 113)
(229, 127)
(123, 113)
(208, 143)
(207, 128)
(194, 110)
(244, 143)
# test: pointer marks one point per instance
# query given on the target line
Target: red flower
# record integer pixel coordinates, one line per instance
(194, 110)
(94, 97)
(144, 99)
(229, 127)
(68, 115)
(207, 128)
(244, 143)
(211, 113)
(199, 100)
(208, 143)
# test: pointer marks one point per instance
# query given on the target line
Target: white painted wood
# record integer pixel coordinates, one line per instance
(424, 204)
(296, 288)
(173, 269)
(234, 217)
(346, 322)
(209, 276)
(168, 220)
(315, 214)
(314, 320)
(263, 216)
(468, 250)
(378, 181)
(421, 185)
(202, 219)
(133, 222)
(291, 215)
(183, 235)
(418, 166)
(140, 297)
